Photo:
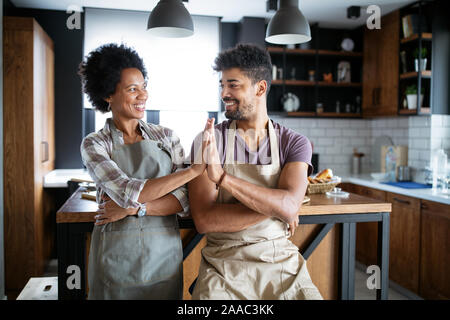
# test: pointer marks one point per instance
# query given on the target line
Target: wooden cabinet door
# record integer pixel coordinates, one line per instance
(404, 241)
(380, 68)
(435, 251)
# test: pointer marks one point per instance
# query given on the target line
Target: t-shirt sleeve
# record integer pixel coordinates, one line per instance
(299, 149)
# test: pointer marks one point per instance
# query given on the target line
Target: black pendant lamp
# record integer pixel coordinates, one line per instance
(288, 25)
(170, 19)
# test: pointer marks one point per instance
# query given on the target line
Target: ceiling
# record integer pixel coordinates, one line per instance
(328, 13)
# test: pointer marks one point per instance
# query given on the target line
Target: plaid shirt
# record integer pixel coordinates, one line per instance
(96, 151)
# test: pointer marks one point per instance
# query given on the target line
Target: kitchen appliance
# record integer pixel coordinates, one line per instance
(403, 173)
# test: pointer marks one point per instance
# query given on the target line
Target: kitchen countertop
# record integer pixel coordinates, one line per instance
(425, 194)
(58, 178)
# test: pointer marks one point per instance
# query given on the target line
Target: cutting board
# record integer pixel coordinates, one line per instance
(376, 151)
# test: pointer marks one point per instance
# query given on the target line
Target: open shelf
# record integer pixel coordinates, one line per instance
(338, 84)
(408, 75)
(307, 83)
(281, 50)
(423, 110)
(425, 36)
(339, 115)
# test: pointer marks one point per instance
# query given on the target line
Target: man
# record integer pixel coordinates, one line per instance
(247, 207)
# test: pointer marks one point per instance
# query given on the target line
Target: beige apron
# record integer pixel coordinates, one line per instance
(258, 262)
(137, 257)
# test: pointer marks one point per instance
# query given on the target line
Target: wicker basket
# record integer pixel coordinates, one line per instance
(322, 187)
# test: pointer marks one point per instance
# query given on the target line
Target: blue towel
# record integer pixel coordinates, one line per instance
(409, 185)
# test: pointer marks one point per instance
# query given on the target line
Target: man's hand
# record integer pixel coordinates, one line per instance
(211, 154)
(109, 211)
(292, 226)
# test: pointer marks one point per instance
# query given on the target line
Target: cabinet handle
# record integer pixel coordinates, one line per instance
(424, 206)
(45, 157)
(402, 201)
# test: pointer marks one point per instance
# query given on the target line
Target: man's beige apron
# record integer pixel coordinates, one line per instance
(137, 257)
(258, 262)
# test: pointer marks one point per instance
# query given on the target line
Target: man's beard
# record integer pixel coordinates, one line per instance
(237, 114)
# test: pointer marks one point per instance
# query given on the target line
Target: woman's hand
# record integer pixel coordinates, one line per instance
(211, 154)
(109, 211)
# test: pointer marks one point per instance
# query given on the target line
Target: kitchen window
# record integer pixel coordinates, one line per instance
(182, 85)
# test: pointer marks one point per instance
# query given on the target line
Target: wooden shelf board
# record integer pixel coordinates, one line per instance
(408, 75)
(340, 53)
(313, 52)
(301, 114)
(339, 115)
(425, 36)
(299, 83)
(312, 83)
(339, 84)
(423, 110)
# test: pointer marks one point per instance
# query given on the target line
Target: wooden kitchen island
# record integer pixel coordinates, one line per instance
(326, 238)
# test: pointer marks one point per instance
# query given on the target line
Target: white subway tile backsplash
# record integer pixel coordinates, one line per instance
(335, 139)
(333, 132)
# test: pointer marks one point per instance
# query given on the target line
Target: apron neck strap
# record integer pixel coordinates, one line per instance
(231, 134)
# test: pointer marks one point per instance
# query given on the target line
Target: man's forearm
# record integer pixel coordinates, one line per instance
(277, 203)
(225, 217)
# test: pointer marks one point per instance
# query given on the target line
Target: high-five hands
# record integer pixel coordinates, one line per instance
(210, 153)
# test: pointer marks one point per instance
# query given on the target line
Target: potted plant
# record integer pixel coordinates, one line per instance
(422, 57)
(411, 96)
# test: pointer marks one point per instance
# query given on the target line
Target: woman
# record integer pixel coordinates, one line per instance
(136, 249)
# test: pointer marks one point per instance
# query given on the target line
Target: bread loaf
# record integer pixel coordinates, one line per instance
(325, 174)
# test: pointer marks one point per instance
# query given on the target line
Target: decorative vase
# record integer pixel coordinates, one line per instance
(412, 101)
(423, 64)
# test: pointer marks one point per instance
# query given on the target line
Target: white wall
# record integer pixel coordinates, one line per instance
(335, 139)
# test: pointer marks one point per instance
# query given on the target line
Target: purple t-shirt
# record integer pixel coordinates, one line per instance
(292, 145)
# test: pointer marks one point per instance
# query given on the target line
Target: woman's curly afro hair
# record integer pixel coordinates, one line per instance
(101, 71)
(254, 61)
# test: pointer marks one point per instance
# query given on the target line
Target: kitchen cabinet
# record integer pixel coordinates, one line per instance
(404, 241)
(419, 242)
(28, 114)
(381, 68)
(435, 251)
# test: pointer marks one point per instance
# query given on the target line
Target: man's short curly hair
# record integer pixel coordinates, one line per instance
(254, 61)
(101, 71)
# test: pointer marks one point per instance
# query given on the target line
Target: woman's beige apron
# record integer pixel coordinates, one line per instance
(258, 262)
(137, 257)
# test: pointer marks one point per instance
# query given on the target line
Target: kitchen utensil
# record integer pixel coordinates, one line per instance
(376, 151)
(357, 159)
(403, 173)
(290, 102)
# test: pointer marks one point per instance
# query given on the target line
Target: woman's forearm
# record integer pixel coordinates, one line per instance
(159, 187)
(164, 206)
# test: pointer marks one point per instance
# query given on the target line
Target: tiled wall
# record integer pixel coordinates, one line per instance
(335, 139)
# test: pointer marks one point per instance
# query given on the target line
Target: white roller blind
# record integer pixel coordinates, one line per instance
(179, 70)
